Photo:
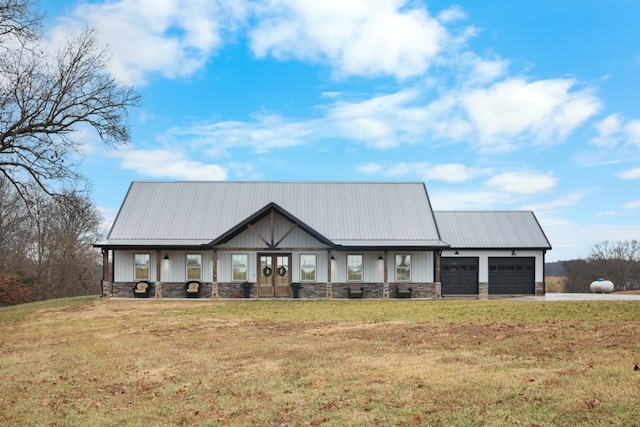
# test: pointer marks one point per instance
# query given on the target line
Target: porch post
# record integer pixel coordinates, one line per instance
(214, 285)
(329, 291)
(158, 277)
(385, 284)
(438, 283)
(106, 279)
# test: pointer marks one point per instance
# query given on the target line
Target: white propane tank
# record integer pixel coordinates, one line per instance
(601, 285)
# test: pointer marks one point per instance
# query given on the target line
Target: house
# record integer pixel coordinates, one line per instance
(338, 239)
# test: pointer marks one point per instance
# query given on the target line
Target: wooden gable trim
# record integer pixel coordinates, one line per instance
(271, 209)
(284, 236)
(259, 235)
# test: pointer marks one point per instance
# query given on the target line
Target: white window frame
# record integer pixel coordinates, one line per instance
(186, 266)
(246, 264)
(361, 267)
(135, 270)
(396, 267)
(315, 267)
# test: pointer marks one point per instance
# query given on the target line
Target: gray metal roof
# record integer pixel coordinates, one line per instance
(491, 229)
(346, 213)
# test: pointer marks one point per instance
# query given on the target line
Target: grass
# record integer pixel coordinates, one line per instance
(287, 363)
(555, 283)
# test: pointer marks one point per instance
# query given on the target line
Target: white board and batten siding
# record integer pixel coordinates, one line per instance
(421, 266)
(484, 255)
(172, 270)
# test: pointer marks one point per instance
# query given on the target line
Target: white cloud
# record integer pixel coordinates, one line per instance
(522, 182)
(382, 121)
(484, 71)
(452, 14)
(546, 110)
(169, 37)
(604, 214)
(266, 133)
(448, 172)
(166, 163)
(614, 129)
(560, 202)
(608, 132)
(356, 37)
(410, 116)
(629, 174)
(632, 205)
(467, 200)
(370, 168)
(632, 130)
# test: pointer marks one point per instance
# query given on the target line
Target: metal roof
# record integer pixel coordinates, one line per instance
(491, 229)
(345, 213)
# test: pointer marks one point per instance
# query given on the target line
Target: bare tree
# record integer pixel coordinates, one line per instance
(15, 231)
(45, 100)
(75, 226)
(579, 274)
(64, 261)
(50, 247)
(18, 21)
(617, 261)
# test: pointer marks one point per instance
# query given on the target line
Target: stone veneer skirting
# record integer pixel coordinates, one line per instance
(168, 290)
(308, 290)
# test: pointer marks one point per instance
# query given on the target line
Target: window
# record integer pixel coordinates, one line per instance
(403, 268)
(194, 266)
(308, 268)
(141, 266)
(239, 264)
(354, 268)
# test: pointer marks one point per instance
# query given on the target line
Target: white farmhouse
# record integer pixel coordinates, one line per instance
(336, 239)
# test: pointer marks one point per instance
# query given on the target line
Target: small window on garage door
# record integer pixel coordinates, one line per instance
(510, 275)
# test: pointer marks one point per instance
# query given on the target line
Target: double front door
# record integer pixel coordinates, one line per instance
(274, 275)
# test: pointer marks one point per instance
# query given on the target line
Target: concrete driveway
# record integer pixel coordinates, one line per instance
(569, 297)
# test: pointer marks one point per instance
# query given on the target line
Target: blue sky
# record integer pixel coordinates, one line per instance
(495, 105)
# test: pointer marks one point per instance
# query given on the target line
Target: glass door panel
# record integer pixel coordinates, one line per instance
(274, 275)
(282, 279)
(265, 277)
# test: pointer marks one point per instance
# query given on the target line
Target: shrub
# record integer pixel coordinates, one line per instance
(14, 289)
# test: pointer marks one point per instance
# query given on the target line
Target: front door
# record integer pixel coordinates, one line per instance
(274, 275)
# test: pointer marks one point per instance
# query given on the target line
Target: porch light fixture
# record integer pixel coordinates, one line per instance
(380, 258)
(456, 253)
(166, 257)
(333, 258)
(513, 253)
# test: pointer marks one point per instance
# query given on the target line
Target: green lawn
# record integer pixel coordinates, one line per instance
(88, 361)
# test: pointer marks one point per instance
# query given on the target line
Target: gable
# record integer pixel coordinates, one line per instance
(273, 231)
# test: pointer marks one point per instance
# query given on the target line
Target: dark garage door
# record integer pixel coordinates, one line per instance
(512, 275)
(459, 276)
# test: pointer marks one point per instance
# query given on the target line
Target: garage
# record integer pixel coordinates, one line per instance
(512, 275)
(459, 276)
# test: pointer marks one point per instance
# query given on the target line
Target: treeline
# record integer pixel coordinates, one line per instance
(617, 261)
(46, 246)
